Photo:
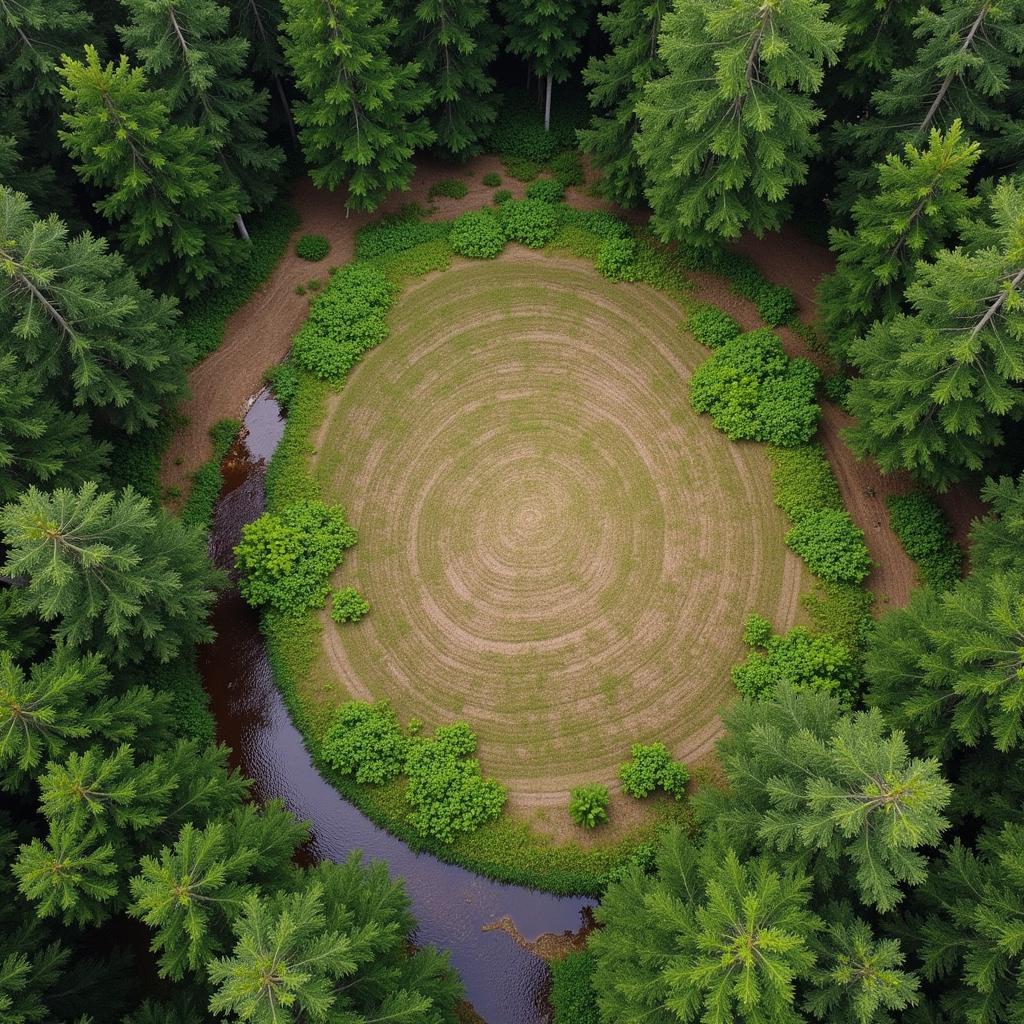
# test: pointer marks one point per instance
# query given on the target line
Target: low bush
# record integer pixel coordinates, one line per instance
(831, 545)
(711, 326)
(754, 391)
(925, 535)
(518, 132)
(348, 318)
(284, 382)
(652, 768)
(842, 611)
(312, 247)
(803, 480)
(546, 190)
(207, 480)
(478, 235)
(573, 999)
(588, 805)
(366, 741)
(521, 168)
(419, 260)
(397, 233)
(287, 558)
(799, 657)
(837, 388)
(502, 196)
(348, 605)
(450, 188)
(775, 304)
(567, 169)
(491, 179)
(617, 259)
(529, 221)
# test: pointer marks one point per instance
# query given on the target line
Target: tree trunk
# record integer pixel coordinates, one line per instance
(242, 229)
(547, 105)
(287, 109)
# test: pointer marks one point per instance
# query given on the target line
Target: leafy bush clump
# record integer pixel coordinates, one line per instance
(365, 740)
(775, 304)
(284, 382)
(520, 168)
(925, 535)
(837, 388)
(312, 247)
(502, 196)
(518, 132)
(348, 605)
(567, 169)
(597, 222)
(397, 233)
(617, 259)
(803, 481)
(287, 558)
(711, 326)
(573, 998)
(547, 191)
(588, 805)
(529, 222)
(491, 179)
(799, 657)
(450, 188)
(348, 318)
(754, 391)
(831, 545)
(207, 480)
(477, 235)
(652, 768)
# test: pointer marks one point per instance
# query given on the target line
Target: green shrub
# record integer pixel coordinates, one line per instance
(502, 196)
(397, 233)
(312, 247)
(803, 480)
(652, 768)
(207, 480)
(567, 169)
(831, 545)
(711, 326)
(520, 168)
(345, 320)
(775, 304)
(754, 391)
(573, 999)
(925, 535)
(366, 741)
(450, 188)
(286, 559)
(477, 235)
(529, 222)
(799, 657)
(419, 260)
(842, 611)
(617, 259)
(491, 179)
(547, 191)
(837, 388)
(588, 805)
(284, 382)
(348, 605)
(597, 222)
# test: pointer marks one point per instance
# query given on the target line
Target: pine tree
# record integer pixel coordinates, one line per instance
(165, 190)
(938, 385)
(547, 34)
(915, 208)
(82, 321)
(453, 43)
(728, 130)
(616, 83)
(114, 575)
(187, 51)
(997, 540)
(361, 119)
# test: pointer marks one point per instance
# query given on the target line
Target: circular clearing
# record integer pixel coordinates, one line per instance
(555, 547)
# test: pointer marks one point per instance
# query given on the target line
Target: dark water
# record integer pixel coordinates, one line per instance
(505, 983)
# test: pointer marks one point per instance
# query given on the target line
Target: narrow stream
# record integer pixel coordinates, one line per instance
(505, 983)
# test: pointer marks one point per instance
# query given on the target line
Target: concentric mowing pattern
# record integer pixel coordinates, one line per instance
(554, 546)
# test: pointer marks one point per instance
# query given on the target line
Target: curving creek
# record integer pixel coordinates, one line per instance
(471, 916)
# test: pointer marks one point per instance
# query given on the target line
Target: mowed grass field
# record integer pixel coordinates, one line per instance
(555, 547)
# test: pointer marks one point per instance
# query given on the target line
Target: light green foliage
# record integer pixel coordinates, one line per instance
(803, 481)
(936, 387)
(547, 190)
(925, 535)
(754, 391)
(831, 545)
(449, 188)
(110, 572)
(287, 558)
(366, 741)
(727, 131)
(345, 320)
(588, 805)
(616, 82)
(163, 187)
(617, 259)
(348, 605)
(360, 119)
(530, 222)
(284, 382)
(397, 232)
(312, 247)
(798, 658)
(651, 767)
(478, 235)
(997, 540)
(711, 326)
(838, 793)
(915, 207)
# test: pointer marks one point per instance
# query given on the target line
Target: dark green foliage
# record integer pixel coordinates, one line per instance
(572, 992)
(478, 235)
(366, 741)
(567, 169)
(588, 805)
(831, 545)
(518, 134)
(545, 33)
(312, 247)
(754, 391)
(546, 190)
(502, 196)
(397, 233)
(491, 179)
(345, 320)
(284, 382)
(651, 767)
(617, 259)
(836, 388)
(207, 480)
(775, 303)
(529, 221)
(711, 326)
(925, 535)
(520, 168)
(348, 605)
(450, 188)
(287, 558)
